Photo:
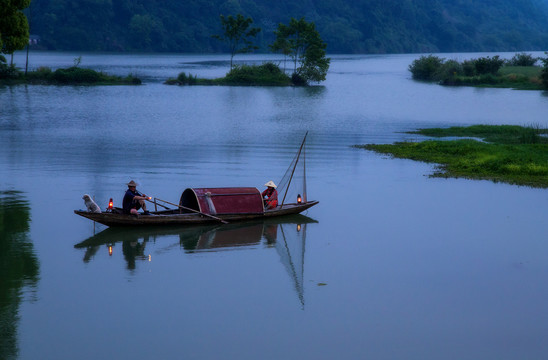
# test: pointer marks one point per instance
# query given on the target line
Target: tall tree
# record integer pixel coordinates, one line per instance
(14, 28)
(237, 33)
(302, 42)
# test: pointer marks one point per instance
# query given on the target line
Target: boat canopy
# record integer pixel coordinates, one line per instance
(230, 200)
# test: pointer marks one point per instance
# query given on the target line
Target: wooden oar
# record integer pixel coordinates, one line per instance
(196, 211)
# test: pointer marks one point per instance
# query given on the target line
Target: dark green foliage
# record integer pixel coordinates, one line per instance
(469, 67)
(237, 33)
(544, 72)
(185, 79)
(7, 71)
(265, 74)
(297, 80)
(488, 65)
(69, 76)
(484, 71)
(360, 26)
(513, 154)
(14, 28)
(522, 59)
(302, 43)
(426, 67)
(75, 75)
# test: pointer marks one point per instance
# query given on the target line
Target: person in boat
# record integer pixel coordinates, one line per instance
(134, 200)
(270, 195)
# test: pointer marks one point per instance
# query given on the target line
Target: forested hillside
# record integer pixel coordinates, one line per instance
(348, 26)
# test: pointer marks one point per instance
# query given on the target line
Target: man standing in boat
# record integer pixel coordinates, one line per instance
(134, 200)
(271, 195)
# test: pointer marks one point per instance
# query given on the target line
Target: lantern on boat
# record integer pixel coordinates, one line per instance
(299, 199)
(110, 204)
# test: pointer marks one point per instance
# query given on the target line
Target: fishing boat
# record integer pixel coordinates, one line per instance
(215, 205)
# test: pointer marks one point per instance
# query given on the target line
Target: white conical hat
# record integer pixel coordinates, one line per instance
(270, 184)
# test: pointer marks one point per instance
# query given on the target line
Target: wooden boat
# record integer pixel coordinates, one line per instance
(211, 205)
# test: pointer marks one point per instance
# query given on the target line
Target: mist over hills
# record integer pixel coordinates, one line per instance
(348, 26)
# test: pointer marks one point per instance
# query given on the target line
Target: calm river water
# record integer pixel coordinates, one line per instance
(391, 264)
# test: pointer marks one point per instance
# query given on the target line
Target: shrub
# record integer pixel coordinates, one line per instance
(7, 71)
(298, 80)
(487, 65)
(426, 67)
(522, 59)
(267, 73)
(75, 75)
(469, 68)
(449, 71)
(544, 72)
(184, 79)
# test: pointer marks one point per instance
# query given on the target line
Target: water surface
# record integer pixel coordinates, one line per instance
(391, 264)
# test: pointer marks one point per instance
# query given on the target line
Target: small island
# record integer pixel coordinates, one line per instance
(500, 153)
(74, 75)
(521, 72)
(299, 40)
(267, 74)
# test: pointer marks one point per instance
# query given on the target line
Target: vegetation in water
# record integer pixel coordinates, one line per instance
(299, 40)
(73, 75)
(267, 74)
(504, 153)
(520, 72)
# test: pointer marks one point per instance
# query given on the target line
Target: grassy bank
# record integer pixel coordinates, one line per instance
(510, 154)
(513, 77)
(267, 74)
(521, 72)
(68, 76)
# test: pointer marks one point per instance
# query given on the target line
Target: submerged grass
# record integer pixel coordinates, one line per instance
(511, 154)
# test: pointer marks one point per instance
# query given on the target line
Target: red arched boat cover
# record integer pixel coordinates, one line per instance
(232, 200)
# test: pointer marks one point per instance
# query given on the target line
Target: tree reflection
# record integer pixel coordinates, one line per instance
(18, 266)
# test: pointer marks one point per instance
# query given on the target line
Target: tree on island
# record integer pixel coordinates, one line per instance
(302, 43)
(237, 33)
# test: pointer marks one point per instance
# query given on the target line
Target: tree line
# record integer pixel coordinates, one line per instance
(357, 26)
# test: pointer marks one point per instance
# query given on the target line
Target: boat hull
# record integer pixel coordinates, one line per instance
(172, 217)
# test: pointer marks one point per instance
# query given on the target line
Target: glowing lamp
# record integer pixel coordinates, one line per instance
(299, 199)
(110, 250)
(298, 227)
(110, 204)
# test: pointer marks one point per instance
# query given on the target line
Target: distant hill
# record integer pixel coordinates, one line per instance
(348, 26)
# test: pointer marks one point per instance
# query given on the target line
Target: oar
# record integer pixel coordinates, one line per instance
(196, 211)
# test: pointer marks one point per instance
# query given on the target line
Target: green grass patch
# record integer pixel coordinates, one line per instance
(509, 154)
(70, 76)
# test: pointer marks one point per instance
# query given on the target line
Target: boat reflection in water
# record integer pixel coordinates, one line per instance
(287, 235)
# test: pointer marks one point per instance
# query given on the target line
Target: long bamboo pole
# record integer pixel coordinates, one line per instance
(196, 211)
(294, 167)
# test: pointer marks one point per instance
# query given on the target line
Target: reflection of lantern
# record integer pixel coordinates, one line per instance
(298, 227)
(110, 250)
(299, 199)
(110, 204)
